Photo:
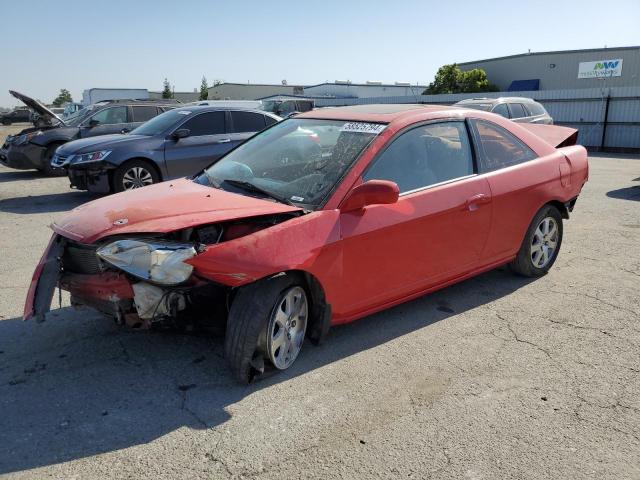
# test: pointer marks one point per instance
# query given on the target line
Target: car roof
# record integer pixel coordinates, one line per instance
(377, 113)
(497, 100)
(209, 108)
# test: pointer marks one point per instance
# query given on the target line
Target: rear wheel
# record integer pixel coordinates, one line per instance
(541, 244)
(134, 174)
(46, 168)
(267, 321)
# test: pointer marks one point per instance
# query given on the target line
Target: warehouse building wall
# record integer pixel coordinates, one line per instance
(606, 118)
(559, 70)
(249, 91)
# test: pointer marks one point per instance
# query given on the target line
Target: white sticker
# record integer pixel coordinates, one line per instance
(297, 199)
(362, 127)
(184, 112)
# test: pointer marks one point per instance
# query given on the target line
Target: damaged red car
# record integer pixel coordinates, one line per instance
(319, 220)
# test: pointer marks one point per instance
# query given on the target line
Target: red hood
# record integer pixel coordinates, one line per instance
(160, 208)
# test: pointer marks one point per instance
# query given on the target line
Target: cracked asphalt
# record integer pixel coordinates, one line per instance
(495, 377)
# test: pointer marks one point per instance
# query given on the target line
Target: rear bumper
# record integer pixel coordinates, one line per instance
(23, 157)
(93, 180)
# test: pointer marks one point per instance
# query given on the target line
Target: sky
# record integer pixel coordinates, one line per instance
(48, 45)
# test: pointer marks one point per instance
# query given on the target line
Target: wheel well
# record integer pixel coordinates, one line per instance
(320, 309)
(141, 159)
(562, 208)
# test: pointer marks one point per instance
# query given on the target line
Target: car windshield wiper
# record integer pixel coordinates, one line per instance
(250, 187)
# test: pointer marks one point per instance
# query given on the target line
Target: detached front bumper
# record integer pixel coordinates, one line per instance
(94, 180)
(23, 157)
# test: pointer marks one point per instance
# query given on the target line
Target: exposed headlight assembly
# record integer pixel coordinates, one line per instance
(91, 156)
(25, 137)
(157, 261)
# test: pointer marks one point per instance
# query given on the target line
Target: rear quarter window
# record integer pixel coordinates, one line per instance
(535, 109)
(498, 148)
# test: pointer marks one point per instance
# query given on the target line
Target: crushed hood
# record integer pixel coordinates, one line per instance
(37, 107)
(161, 208)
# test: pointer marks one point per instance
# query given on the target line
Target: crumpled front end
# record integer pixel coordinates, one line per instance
(139, 280)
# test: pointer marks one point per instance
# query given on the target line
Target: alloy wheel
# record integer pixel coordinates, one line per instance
(136, 177)
(287, 326)
(544, 242)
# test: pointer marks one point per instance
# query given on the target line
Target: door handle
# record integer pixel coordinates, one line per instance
(224, 140)
(472, 203)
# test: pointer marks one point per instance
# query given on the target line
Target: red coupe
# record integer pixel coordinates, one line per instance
(319, 220)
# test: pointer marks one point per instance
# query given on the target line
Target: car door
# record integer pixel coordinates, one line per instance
(108, 120)
(519, 182)
(245, 124)
(207, 141)
(435, 232)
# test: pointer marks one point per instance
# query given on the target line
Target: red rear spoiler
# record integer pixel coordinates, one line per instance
(553, 134)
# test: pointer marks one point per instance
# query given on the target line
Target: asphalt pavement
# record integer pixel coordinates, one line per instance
(496, 377)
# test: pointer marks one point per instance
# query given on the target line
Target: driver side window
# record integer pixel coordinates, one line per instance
(425, 156)
(110, 116)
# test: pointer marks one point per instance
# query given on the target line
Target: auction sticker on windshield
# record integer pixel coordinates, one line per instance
(362, 127)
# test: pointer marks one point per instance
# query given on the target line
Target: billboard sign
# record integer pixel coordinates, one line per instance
(600, 69)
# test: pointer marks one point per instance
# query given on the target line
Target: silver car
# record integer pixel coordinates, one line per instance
(518, 109)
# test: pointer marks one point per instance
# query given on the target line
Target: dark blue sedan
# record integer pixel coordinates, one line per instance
(177, 143)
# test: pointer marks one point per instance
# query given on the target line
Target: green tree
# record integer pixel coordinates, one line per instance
(446, 80)
(450, 79)
(63, 97)
(204, 89)
(166, 91)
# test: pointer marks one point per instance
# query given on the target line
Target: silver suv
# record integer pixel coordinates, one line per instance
(518, 109)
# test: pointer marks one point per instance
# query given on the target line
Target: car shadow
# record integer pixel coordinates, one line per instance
(15, 175)
(627, 193)
(78, 385)
(53, 202)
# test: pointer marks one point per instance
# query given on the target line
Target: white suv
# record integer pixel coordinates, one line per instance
(518, 109)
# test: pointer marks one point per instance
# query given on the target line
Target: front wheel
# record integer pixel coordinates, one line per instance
(134, 174)
(267, 321)
(541, 244)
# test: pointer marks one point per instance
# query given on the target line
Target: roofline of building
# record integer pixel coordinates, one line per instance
(256, 85)
(367, 85)
(586, 50)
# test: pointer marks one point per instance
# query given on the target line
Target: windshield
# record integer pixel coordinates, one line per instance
(476, 106)
(75, 119)
(161, 123)
(298, 160)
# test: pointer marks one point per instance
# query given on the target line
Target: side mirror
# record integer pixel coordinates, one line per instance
(373, 192)
(93, 123)
(181, 133)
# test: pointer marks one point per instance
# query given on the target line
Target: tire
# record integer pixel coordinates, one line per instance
(134, 174)
(47, 169)
(250, 338)
(541, 244)
(6, 122)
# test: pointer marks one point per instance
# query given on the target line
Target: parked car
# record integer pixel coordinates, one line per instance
(174, 144)
(34, 147)
(518, 109)
(284, 106)
(19, 115)
(321, 219)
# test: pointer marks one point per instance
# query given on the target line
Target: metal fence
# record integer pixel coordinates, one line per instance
(607, 118)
